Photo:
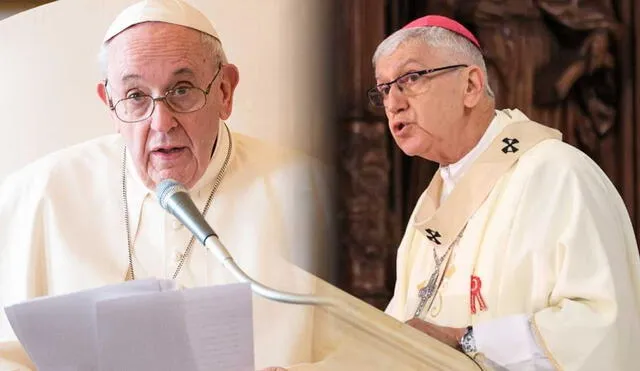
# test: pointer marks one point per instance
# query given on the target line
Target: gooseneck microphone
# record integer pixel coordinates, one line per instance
(174, 198)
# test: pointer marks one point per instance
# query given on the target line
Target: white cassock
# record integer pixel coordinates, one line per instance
(62, 229)
(537, 250)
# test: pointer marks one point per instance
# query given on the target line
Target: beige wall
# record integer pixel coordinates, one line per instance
(48, 69)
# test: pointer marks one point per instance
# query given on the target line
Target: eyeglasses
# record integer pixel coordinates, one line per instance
(181, 99)
(411, 83)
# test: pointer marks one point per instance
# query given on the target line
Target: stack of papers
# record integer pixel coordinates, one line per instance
(139, 325)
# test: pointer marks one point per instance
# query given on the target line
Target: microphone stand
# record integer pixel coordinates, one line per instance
(214, 244)
(175, 199)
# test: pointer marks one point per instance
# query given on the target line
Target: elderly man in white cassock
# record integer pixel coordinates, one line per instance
(520, 252)
(87, 216)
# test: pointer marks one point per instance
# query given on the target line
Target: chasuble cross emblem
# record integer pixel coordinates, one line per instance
(433, 236)
(510, 145)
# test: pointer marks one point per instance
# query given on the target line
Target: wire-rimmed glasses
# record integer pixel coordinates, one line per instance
(182, 98)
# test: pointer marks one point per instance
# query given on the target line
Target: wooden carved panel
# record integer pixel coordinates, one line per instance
(555, 61)
(366, 211)
(365, 199)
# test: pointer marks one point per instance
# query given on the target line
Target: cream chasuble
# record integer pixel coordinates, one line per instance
(62, 229)
(533, 228)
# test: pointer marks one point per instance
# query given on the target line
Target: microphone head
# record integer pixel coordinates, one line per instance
(166, 189)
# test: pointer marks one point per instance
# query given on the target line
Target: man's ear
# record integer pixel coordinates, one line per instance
(102, 93)
(230, 79)
(475, 87)
(101, 89)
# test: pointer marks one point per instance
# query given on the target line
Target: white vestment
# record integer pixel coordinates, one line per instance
(62, 230)
(539, 254)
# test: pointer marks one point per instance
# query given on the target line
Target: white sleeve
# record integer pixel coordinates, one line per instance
(510, 344)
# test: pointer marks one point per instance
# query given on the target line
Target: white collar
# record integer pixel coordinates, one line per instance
(451, 174)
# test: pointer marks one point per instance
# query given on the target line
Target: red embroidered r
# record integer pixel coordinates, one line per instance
(476, 295)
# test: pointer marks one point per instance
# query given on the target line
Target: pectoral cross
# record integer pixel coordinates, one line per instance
(427, 292)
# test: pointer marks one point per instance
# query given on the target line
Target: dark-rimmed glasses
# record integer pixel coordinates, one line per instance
(181, 99)
(411, 83)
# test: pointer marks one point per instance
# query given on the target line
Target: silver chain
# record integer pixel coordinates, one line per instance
(441, 259)
(188, 249)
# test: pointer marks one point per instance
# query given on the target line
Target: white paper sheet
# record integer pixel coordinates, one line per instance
(139, 325)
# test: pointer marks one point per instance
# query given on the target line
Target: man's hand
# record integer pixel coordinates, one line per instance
(448, 335)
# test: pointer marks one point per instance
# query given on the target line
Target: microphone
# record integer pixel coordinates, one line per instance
(174, 198)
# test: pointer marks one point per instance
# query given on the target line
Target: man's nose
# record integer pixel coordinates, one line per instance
(163, 118)
(396, 101)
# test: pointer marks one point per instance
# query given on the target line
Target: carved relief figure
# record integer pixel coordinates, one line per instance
(551, 58)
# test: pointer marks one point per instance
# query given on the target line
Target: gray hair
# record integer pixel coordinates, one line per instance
(459, 49)
(207, 40)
